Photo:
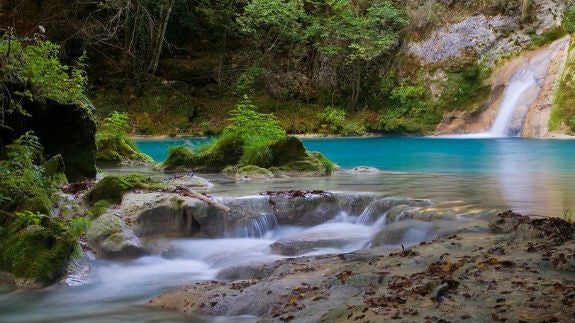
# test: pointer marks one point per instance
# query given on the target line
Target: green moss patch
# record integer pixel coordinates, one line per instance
(119, 149)
(38, 251)
(112, 188)
(563, 109)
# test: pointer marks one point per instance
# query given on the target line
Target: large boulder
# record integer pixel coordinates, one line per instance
(162, 214)
(110, 237)
(304, 208)
(251, 215)
(287, 150)
(65, 129)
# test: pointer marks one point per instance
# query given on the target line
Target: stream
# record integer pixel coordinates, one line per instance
(526, 175)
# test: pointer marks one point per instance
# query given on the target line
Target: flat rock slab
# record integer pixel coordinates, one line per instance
(475, 277)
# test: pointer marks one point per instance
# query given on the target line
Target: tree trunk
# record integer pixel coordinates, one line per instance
(166, 7)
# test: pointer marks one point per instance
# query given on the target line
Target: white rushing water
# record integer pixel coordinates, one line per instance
(522, 82)
(115, 291)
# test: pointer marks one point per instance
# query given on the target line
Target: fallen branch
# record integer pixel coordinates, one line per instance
(188, 192)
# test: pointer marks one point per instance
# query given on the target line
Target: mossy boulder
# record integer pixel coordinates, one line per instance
(65, 129)
(179, 158)
(214, 157)
(37, 252)
(287, 150)
(111, 238)
(112, 188)
(315, 164)
(55, 169)
(119, 149)
(39, 203)
(288, 158)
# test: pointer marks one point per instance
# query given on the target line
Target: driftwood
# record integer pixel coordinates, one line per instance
(188, 192)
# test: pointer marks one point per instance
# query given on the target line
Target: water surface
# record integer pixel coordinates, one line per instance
(525, 175)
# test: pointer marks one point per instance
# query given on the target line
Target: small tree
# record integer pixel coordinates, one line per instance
(256, 131)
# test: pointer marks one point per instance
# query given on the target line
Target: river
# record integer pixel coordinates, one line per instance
(525, 175)
(534, 176)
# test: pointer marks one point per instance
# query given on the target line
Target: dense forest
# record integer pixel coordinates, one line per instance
(347, 67)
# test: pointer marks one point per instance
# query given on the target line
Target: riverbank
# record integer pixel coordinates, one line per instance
(522, 270)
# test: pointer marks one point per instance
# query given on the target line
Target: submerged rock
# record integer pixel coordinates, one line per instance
(393, 205)
(250, 173)
(306, 242)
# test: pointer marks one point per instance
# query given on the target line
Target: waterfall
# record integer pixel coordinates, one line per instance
(521, 83)
(257, 228)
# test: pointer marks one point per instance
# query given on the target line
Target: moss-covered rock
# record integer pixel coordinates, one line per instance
(315, 164)
(288, 158)
(214, 157)
(250, 172)
(39, 203)
(110, 238)
(65, 129)
(112, 188)
(286, 150)
(119, 149)
(179, 159)
(39, 252)
(55, 169)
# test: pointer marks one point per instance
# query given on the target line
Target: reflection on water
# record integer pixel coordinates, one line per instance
(525, 175)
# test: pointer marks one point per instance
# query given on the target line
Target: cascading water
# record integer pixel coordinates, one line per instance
(257, 228)
(522, 82)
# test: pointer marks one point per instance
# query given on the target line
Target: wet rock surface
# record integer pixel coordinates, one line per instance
(523, 275)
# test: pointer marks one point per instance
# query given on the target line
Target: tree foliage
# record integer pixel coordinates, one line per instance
(35, 64)
(256, 130)
(346, 37)
(21, 177)
(568, 22)
(115, 145)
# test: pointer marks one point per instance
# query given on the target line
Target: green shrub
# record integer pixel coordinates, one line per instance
(569, 20)
(256, 130)
(547, 36)
(114, 144)
(245, 84)
(409, 99)
(37, 65)
(112, 188)
(21, 177)
(331, 120)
